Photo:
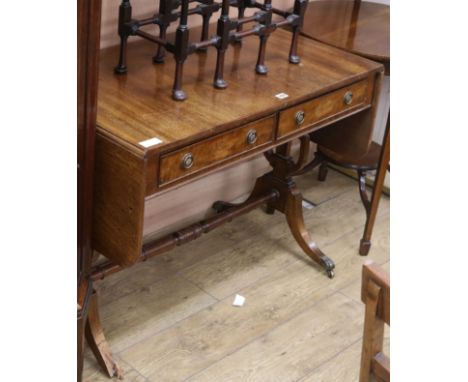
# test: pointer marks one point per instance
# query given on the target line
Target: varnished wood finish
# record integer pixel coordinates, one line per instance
(89, 22)
(97, 341)
(135, 108)
(130, 110)
(189, 233)
(84, 294)
(215, 150)
(326, 106)
(275, 189)
(167, 328)
(367, 162)
(289, 200)
(360, 27)
(375, 294)
(119, 202)
(352, 136)
(229, 30)
(363, 191)
(384, 161)
(88, 33)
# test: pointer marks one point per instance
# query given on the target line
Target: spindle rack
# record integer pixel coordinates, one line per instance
(229, 30)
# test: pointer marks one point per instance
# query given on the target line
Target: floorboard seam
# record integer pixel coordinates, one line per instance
(265, 334)
(328, 360)
(161, 330)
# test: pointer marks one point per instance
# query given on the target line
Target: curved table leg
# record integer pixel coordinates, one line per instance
(97, 341)
(289, 201)
(295, 219)
(323, 171)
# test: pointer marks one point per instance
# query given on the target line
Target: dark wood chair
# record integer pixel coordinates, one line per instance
(375, 293)
(361, 28)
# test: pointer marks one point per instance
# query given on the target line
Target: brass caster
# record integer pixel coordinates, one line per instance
(330, 273)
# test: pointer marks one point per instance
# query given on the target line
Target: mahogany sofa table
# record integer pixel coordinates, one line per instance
(147, 143)
(362, 28)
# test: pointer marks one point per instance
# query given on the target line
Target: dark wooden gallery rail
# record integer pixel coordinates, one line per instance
(228, 31)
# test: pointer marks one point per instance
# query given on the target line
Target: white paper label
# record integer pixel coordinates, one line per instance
(238, 300)
(307, 205)
(150, 142)
(281, 96)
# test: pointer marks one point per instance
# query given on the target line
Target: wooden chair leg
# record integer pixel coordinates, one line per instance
(80, 342)
(84, 296)
(323, 171)
(363, 191)
(311, 165)
(372, 341)
(97, 341)
(384, 160)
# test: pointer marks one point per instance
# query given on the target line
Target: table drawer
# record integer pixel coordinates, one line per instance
(214, 151)
(314, 111)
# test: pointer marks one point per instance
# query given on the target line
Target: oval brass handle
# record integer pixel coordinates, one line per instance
(187, 161)
(348, 98)
(300, 117)
(252, 137)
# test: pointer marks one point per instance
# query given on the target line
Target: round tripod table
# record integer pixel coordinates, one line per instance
(362, 28)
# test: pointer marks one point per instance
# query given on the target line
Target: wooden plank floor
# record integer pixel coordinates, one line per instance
(171, 318)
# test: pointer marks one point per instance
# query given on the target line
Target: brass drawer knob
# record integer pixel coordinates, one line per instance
(348, 98)
(187, 161)
(300, 117)
(252, 137)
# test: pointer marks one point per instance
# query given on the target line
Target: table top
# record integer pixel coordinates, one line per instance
(359, 27)
(138, 106)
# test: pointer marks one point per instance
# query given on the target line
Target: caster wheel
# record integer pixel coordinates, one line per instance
(330, 273)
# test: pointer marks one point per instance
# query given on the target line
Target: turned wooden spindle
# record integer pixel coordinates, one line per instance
(265, 30)
(224, 27)
(241, 5)
(206, 11)
(165, 9)
(125, 15)
(300, 7)
(228, 31)
(181, 52)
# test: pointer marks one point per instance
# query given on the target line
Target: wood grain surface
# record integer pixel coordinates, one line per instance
(217, 149)
(138, 106)
(360, 27)
(320, 108)
(119, 202)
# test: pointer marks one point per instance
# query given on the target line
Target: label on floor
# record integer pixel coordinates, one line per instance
(307, 205)
(238, 300)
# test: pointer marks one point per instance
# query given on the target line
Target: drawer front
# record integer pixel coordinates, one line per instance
(311, 112)
(213, 151)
